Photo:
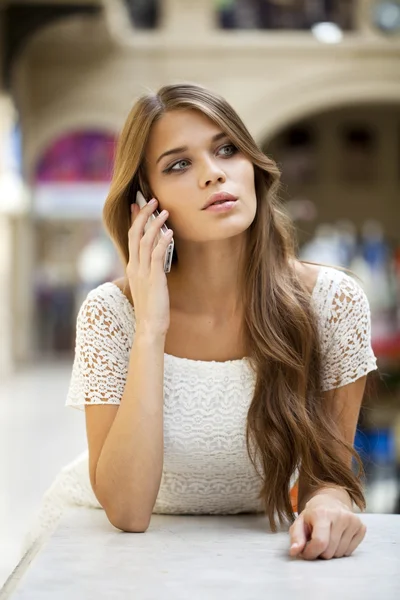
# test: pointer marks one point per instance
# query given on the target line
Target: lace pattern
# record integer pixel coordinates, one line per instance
(206, 465)
(106, 325)
(344, 318)
(104, 337)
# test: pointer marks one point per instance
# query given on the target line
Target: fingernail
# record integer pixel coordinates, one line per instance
(293, 546)
(153, 201)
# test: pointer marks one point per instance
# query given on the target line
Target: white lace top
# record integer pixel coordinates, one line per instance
(206, 466)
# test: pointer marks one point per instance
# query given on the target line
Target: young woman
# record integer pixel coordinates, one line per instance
(233, 383)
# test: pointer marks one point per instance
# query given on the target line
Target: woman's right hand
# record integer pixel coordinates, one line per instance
(145, 270)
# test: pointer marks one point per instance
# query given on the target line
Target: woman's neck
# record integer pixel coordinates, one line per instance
(214, 294)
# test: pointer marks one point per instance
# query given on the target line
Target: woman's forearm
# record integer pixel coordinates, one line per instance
(129, 468)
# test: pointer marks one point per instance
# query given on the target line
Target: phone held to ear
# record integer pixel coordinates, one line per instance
(141, 202)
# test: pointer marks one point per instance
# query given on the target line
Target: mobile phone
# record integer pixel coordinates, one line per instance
(141, 202)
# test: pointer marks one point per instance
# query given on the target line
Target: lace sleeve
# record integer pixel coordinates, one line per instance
(101, 358)
(346, 340)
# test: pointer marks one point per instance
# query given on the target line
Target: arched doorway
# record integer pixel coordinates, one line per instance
(346, 161)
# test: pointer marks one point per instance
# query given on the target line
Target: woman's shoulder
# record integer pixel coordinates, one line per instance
(108, 302)
(112, 293)
(320, 279)
(308, 274)
(336, 295)
(123, 286)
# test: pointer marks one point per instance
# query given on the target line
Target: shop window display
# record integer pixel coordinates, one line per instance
(358, 151)
(71, 184)
(78, 156)
(284, 14)
(296, 151)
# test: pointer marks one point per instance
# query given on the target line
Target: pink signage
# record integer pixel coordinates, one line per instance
(78, 157)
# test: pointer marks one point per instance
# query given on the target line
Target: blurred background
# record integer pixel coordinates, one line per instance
(318, 84)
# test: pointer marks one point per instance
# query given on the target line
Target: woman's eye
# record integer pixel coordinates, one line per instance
(178, 166)
(228, 150)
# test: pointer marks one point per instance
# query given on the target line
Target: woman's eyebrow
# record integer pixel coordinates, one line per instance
(215, 138)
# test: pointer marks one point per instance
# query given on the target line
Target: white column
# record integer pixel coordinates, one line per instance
(24, 264)
(6, 317)
(188, 18)
(13, 205)
(363, 17)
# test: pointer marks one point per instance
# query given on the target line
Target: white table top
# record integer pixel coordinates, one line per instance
(206, 557)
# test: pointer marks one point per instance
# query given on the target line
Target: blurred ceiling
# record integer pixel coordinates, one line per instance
(19, 19)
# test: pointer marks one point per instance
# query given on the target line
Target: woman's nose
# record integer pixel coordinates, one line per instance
(212, 173)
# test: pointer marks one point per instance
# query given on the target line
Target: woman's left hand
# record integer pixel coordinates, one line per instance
(326, 528)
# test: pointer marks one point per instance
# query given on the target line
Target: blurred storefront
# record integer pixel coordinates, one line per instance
(70, 185)
(341, 184)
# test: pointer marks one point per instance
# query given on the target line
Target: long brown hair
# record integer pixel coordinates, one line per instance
(289, 425)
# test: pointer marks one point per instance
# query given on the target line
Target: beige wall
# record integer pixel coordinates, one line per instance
(86, 72)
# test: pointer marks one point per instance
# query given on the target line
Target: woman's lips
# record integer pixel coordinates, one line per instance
(223, 207)
(219, 197)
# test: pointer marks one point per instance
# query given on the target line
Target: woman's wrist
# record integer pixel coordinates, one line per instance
(148, 335)
(333, 491)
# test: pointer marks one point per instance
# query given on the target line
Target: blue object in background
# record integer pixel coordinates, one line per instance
(362, 443)
(383, 446)
(376, 446)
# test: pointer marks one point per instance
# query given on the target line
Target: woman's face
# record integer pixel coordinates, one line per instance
(189, 158)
